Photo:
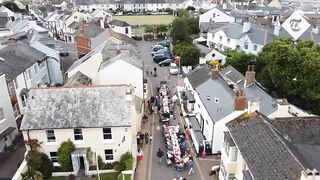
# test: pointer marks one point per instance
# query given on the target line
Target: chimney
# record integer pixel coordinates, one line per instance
(250, 76)
(102, 23)
(239, 101)
(215, 71)
(246, 26)
(277, 27)
(224, 6)
(253, 105)
(81, 30)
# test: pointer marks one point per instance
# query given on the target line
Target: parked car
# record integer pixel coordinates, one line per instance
(63, 53)
(136, 37)
(164, 43)
(173, 69)
(160, 51)
(156, 48)
(166, 62)
(160, 57)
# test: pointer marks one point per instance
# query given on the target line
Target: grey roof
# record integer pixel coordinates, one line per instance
(116, 22)
(3, 22)
(91, 30)
(303, 134)
(203, 49)
(126, 56)
(263, 151)
(55, 108)
(74, 25)
(198, 75)
(17, 58)
(234, 75)
(216, 89)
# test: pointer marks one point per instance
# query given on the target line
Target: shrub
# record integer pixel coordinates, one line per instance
(64, 157)
(129, 163)
(120, 166)
(100, 162)
(46, 166)
(125, 156)
(37, 161)
(32, 175)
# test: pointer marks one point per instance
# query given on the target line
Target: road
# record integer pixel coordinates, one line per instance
(161, 171)
(9, 166)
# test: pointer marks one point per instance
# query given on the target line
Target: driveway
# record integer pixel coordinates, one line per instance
(9, 166)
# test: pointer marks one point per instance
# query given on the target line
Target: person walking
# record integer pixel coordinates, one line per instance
(146, 137)
(191, 166)
(160, 154)
(150, 137)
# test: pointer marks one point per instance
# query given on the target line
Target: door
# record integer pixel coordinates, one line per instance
(7, 141)
(81, 162)
(201, 123)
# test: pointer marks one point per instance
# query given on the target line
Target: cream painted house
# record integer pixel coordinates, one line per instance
(256, 147)
(102, 118)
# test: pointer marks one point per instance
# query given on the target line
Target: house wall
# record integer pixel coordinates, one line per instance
(215, 15)
(83, 44)
(246, 40)
(9, 119)
(92, 137)
(114, 74)
(219, 39)
(90, 68)
(122, 30)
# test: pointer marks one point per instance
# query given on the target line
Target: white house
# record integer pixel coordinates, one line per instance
(8, 126)
(102, 118)
(218, 97)
(215, 14)
(256, 147)
(121, 27)
(99, 13)
(208, 54)
(26, 67)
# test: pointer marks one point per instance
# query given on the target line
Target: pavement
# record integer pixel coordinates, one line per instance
(148, 168)
(9, 166)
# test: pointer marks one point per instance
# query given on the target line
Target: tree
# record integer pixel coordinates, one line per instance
(193, 25)
(162, 28)
(169, 10)
(179, 31)
(183, 13)
(148, 29)
(64, 154)
(189, 54)
(239, 60)
(190, 8)
(292, 69)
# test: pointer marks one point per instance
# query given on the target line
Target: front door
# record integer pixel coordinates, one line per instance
(81, 162)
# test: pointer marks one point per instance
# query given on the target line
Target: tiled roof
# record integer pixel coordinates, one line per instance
(91, 30)
(55, 108)
(263, 150)
(198, 75)
(119, 23)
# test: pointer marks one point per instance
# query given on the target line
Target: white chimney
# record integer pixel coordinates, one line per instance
(102, 23)
(246, 26)
(253, 105)
(224, 6)
(315, 29)
(277, 27)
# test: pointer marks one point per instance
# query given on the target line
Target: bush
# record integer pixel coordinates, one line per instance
(125, 156)
(32, 175)
(120, 166)
(46, 166)
(129, 163)
(147, 37)
(100, 162)
(37, 161)
(64, 157)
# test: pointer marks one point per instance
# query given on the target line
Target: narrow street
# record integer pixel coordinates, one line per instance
(149, 168)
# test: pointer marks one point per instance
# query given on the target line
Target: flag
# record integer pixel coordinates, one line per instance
(208, 98)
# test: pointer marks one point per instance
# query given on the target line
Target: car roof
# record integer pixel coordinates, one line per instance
(173, 64)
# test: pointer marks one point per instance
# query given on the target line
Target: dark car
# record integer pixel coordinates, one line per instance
(165, 62)
(63, 53)
(137, 37)
(160, 57)
(164, 43)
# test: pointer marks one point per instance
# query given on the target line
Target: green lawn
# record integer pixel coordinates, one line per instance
(146, 19)
(108, 176)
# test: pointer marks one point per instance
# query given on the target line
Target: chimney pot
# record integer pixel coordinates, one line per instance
(250, 76)
(239, 101)
(246, 26)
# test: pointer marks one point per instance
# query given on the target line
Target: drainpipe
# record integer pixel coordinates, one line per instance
(24, 78)
(46, 59)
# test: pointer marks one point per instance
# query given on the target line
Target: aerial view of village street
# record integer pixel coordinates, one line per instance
(159, 90)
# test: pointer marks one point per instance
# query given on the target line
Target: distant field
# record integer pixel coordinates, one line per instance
(146, 19)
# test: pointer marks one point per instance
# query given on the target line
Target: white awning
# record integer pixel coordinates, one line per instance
(200, 39)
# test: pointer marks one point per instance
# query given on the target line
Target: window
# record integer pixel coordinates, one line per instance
(29, 73)
(108, 154)
(50, 135)
(107, 133)
(15, 110)
(255, 47)
(228, 40)
(245, 45)
(214, 15)
(127, 30)
(77, 134)
(220, 38)
(231, 176)
(134, 5)
(41, 64)
(1, 114)
(54, 156)
(35, 69)
(24, 100)
(15, 82)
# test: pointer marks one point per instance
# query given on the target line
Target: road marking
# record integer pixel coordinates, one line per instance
(153, 137)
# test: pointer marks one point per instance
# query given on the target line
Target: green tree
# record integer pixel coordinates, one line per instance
(179, 31)
(193, 25)
(169, 10)
(162, 28)
(239, 60)
(189, 54)
(148, 29)
(183, 13)
(292, 69)
(64, 154)
(190, 8)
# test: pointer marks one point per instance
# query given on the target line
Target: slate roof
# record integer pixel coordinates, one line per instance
(119, 23)
(203, 49)
(56, 108)
(91, 30)
(234, 75)
(262, 149)
(198, 75)
(17, 58)
(89, 2)
(74, 25)
(3, 22)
